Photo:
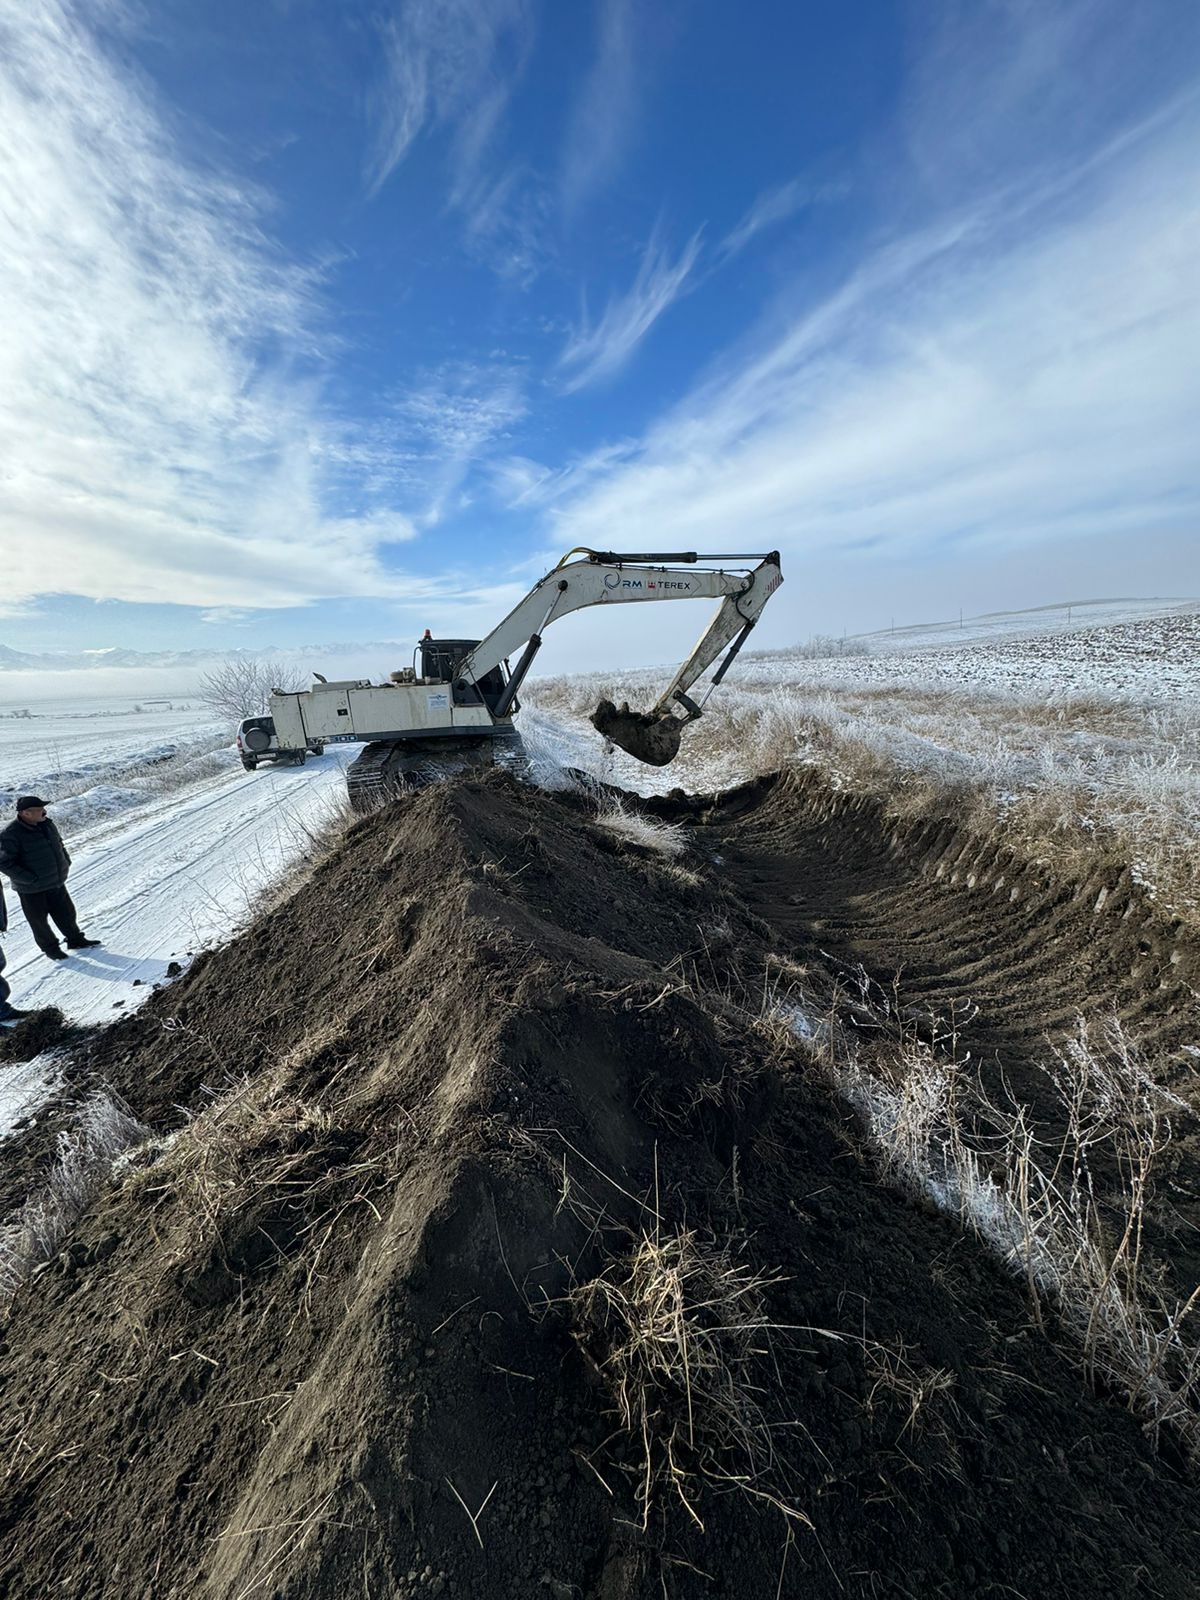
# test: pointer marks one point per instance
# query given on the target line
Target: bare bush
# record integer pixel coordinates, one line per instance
(241, 685)
(818, 647)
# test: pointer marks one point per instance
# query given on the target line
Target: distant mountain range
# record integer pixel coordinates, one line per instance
(1064, 616)
(201, 660)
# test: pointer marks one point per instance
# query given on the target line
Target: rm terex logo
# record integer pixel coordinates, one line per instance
(614, 580)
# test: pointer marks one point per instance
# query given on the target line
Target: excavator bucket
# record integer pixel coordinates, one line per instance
(652, 739)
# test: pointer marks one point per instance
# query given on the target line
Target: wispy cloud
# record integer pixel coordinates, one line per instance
(505, 225)
(604, 115)
(594, 353)
(221, 616)
(451, 419)
(161, 436)
(448, 64)
(772, 207)
(1020, 367)
(1031, 89)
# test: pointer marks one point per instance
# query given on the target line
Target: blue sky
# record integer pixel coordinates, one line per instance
(327, 321)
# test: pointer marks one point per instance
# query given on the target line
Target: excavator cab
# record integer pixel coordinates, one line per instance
(441, 659)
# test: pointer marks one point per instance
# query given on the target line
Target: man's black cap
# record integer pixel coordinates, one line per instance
(26, 801)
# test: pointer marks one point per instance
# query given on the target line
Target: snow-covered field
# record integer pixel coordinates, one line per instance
(1153, 657)
(169, 874)
(88, 751)
(997, 626)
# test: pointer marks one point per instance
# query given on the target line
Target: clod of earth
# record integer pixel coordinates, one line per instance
(493, 1242)
(647, 737)
(43, 1030)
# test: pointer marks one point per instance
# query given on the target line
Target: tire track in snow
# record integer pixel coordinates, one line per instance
(176, 875)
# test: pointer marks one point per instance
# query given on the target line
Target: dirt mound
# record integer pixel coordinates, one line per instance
(486, 1250)
(46, 1029)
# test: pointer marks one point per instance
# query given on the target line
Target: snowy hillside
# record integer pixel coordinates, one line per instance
(1065, 617)
(1152, 656)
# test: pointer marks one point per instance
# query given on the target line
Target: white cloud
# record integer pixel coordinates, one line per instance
(447, 63)
(1025, 90)
(452, 418)
(452, 66)
(516, 480)
(599, 352)
(1024, 367)
(156, 443)
(219, 616)
(604, 116)
(770, 208)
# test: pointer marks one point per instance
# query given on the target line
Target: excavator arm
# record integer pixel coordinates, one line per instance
(612, 578)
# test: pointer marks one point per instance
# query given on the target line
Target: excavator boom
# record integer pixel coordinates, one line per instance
(461, 700)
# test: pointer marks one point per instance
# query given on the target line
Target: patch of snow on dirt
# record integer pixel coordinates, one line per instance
(24, 1086)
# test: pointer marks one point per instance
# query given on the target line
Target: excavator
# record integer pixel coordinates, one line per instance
(454, 707)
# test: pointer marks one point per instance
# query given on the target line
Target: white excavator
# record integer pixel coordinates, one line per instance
(454, 706)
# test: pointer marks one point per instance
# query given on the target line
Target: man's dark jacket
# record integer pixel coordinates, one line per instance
(34, 858)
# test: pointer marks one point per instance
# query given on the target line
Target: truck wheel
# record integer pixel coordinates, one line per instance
(249, 765)
(300, 757)
(317, 748)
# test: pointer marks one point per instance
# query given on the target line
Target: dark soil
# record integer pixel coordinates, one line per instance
(41, 1030)
(956, 930)
(295, 1349)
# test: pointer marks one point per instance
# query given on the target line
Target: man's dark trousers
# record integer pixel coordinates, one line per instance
(56, 903)
(5, 991)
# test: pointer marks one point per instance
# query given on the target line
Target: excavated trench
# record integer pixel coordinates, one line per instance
(961, 937)
(961, 924)
(335, 1330)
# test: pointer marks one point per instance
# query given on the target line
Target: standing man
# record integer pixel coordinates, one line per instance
(9, 1015)
(36, 859)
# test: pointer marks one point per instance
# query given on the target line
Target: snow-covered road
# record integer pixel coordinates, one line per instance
(165, 881)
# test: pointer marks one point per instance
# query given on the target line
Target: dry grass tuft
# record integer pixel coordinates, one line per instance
(676, 1331)
(923, 1393)
(102, 1130)
(664, 838)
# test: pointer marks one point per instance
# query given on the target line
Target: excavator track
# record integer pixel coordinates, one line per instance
(388, 768)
